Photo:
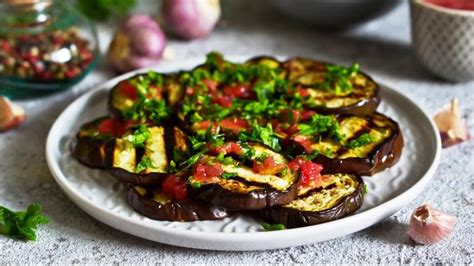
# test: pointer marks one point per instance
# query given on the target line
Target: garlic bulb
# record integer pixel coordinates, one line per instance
(191, 19)
(138, 43)
(429, 226)
(451, 125)
(11, 115)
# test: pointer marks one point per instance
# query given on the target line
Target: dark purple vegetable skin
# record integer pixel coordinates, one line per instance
(176, 210)
(89, 150)
(383, 156)
(293, 218)
(254, 200)
(137, 178)
(390, 149)
(361, 108)
(173, 93)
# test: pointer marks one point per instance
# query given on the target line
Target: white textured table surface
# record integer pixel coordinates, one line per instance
(382, 49)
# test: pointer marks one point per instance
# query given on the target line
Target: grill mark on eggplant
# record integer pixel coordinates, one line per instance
(170, 141)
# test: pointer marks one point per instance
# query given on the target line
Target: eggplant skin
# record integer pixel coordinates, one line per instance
(136, 179)
(364, 107)
(89, 149)
(253, 200)
(176, 210)
(293, 218)
(126, 176)
(385, 155)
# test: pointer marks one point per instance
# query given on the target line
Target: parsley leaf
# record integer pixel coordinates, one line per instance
(362, 140)
(139, 136)
(144, 163)
(193, 159)
(22, 224)
(338, 77)
(322, 124)
(226, 175)
(261, 134)
(273, 227)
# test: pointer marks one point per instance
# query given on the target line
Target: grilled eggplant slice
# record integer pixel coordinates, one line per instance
(339, 196)
(347, 91)
(91, 137)
(148, 163)
(239, 187)
(125, 97)
(152, 203)
(372, 144)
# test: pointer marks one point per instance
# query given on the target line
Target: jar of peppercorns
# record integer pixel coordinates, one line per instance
(45, 45)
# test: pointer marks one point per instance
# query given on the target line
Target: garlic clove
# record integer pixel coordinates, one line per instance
(451, 125)
(191, 19)
(138, 43)
(146, 42)
(11, 115)
(429, 226)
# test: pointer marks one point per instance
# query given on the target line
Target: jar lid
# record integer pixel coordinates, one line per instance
(29, 4)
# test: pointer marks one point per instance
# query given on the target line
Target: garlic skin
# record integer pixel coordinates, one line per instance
(451, 125)
(429, 226)
(138, 43)
(11, 115)
(191, 19)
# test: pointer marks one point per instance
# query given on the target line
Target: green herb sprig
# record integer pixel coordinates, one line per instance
(273, 227)
(262, 134)
(21, 224)
(322, 125)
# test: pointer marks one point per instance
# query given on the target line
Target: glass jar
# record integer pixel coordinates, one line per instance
(45, 46)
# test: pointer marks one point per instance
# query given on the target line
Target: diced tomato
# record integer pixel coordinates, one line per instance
(289, 116)
(122, 126)
(174, 188)
(205, 172)
(234, 124)
(241, 91)
(203, 125)
(304, 141)
(224, 100)
(155, 92)
(211, 85)
(128, 90)
(189, 91)
(267, 167)
(283, 129)
(228, 148)
(306, 114)
(310, 172)
(114, 127)
(303, 92)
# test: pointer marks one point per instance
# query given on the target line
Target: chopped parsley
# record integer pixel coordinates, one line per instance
(360, 141)
(273, 227)
(145, 163)
(146, 107)
(193, 159)
(262, 134)
(322, 125)
(310, 156)
(226, 160)
(21, 224)
(196, 184)
(140, 136)
(226, 175)
(338, 78)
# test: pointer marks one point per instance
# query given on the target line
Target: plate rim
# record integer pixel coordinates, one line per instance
(220, 240)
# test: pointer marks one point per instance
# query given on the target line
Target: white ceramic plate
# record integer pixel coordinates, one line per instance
(103, 197)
